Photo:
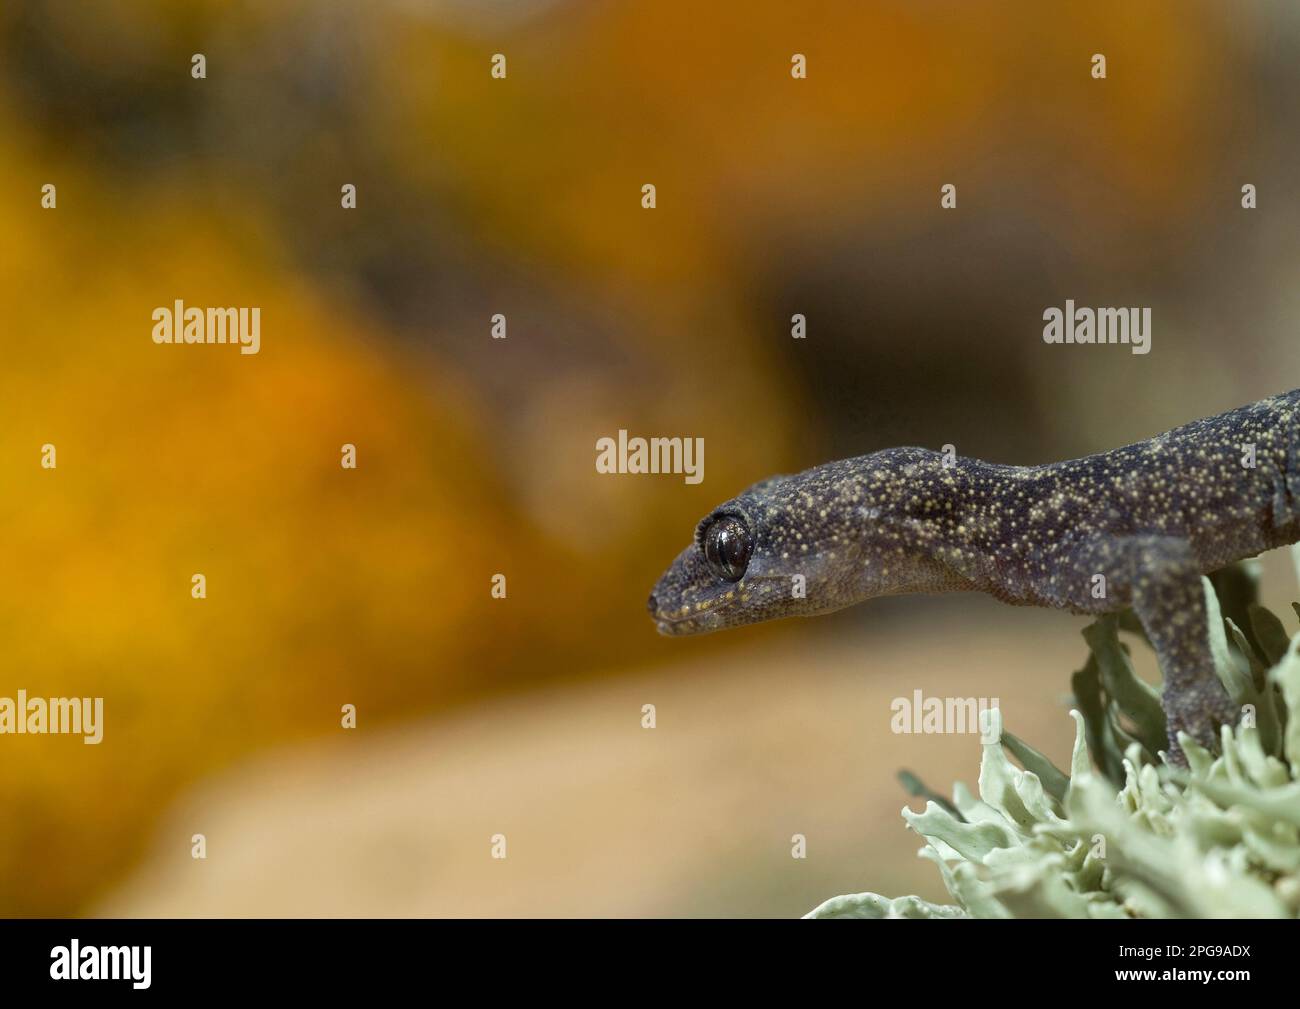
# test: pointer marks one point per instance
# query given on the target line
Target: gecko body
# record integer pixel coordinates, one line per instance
(1134, 527)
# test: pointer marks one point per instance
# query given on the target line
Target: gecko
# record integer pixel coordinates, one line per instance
(1135, 527)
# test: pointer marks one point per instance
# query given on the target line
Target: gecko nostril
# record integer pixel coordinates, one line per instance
(652, 605)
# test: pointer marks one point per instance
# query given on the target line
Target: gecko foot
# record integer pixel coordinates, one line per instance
(1198, 710)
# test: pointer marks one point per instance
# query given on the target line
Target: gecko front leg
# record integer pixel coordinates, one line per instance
(1159, 577)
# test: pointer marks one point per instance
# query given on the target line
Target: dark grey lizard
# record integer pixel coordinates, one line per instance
(1150, 519)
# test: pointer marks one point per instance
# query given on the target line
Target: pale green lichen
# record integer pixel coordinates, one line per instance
(1134, 837)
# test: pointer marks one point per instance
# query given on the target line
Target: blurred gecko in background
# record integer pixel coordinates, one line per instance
(1135, 527)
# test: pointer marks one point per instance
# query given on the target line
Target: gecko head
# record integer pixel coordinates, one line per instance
(781, 548)
(818, 541)
(714, 580)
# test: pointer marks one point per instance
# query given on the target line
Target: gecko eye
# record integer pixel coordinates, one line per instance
(727, 546)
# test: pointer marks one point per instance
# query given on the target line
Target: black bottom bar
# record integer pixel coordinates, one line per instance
(333, 957)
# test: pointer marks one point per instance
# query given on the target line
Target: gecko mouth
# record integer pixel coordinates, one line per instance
(678, 624)
(677, 627)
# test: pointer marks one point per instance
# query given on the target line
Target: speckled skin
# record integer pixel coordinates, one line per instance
(1151, 518)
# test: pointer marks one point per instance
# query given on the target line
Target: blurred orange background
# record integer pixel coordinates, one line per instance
(522, 196)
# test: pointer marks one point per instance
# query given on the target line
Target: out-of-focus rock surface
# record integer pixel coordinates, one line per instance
(603, 817)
